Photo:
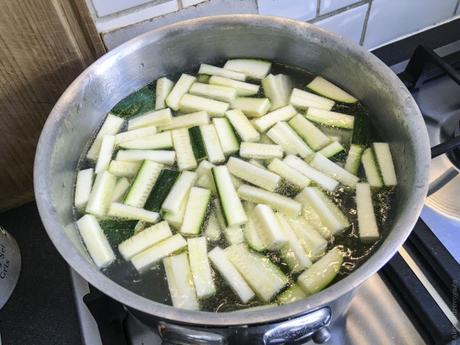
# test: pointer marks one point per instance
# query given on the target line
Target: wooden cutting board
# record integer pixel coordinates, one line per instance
(44, 45)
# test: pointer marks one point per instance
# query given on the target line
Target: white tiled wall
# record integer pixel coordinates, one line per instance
(348, 23)
(295, 9)
(367, 22)
(390, 19)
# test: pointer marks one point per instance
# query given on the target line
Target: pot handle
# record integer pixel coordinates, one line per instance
(310, 326)
(178, 335)
(313, 325)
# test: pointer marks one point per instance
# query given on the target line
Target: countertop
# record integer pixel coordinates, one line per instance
(42, 309)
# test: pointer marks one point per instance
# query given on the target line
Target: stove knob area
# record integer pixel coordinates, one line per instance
(321, 336)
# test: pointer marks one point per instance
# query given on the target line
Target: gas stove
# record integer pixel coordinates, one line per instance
(414, 299)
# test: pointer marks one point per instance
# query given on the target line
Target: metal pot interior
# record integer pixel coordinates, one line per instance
(177, 47)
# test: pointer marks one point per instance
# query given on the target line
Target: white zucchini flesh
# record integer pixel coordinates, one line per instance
(124, 168)
(292, 252)
(264, 139)
(385, 162)
(212, 144)
(330, 118)
(253, 68)
(204, 168)
(159, 156)
(260, 151)
(184, 151)
(367, 224)
(313, 243)
(252, 106)
(311, 134)
(179, 192)
(268, 227)
(227, 138)
(278, 89)
(289, 174)
(371, 169)
(221, 72)
(281, 114)
(242, 125)
(188, 120)
(83, 186)
(200, 267)
(195, 211)
(120, 210)
(175, 219)
(101, 194)
(158, 118)
(111, 126)
(242, 88)
(143, 184)
(310, 215)
(233, 234)
(332, 149)
(206, 181)
(152, 255)
(134, 134)
(217, 92)
(321, 273)
(257, 162)
(329, 90)
(144, 239)
(105, 153)
(162, 89)
(95, 241)
(276, 201)
(191, 103)
(251, 233)
(326, 182)
(161, 140)
(260, 177)
(283, 135)
(140, 225)
(265, 278)
(180, 88)
(328, 211)
(120, 189)
(334, 170)
(231, 204)
(293, 294)
(230, 274)
(302, 100)
(180, 283)
(354, 158)
(212, 231)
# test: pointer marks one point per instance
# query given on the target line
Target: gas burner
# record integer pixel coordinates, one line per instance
(454, 155)
(439, 101)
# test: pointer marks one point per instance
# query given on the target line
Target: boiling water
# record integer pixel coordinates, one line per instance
(153, 285)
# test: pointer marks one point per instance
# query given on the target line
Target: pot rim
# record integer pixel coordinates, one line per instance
(89, 271)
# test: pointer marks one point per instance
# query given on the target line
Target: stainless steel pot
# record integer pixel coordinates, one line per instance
(177, 47)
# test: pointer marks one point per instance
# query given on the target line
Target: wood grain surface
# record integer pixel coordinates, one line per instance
(44, 45)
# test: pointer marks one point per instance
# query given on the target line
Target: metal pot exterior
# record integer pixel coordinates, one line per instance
(180, 46)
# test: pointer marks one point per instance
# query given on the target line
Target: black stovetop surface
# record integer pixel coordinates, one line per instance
(41, 310)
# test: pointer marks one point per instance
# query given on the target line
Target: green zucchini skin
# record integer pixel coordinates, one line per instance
(161, 189)
(199, 151)
(360, 134)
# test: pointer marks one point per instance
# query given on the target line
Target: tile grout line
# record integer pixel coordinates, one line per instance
(366, 21)
(180, 5)
(456, 7)
(318, 7)
(338, 11)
